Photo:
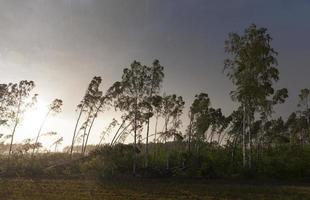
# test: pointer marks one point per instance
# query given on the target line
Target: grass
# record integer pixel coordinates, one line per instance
(89, 189)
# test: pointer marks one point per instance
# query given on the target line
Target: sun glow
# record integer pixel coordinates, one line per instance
(33, 119)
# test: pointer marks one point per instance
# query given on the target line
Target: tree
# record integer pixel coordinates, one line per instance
(157, 105)
(199, 114)
(203, 118)
(5, 102)
(252, 69)
(20, 101)
(129, 97)
(90, 98)
(155, 77)
(304, 98)
(53, 108)
(172, 109)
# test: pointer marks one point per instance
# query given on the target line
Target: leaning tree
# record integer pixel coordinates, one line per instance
(87, 105)
(20, 100)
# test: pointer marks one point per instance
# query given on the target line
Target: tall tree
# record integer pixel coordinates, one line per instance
(252, 69)
(87, 104)
(20, 101)
(172, 109)
(155, 76)
(130, 94)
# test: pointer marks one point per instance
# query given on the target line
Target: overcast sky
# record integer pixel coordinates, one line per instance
(62, 44)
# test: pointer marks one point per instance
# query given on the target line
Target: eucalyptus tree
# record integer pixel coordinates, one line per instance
(172, 106)
(155, 75)
(252, 69)
(204, 118)
(199, 117)
(4, 94)
(101, 101)
(176, 121)
(91, 97)
(20, 101)
(235, 125)
(157, 109)
(130, 96)
(7, 103)
(54, 108)
(304, 98)
(297, 125)
(172, 109)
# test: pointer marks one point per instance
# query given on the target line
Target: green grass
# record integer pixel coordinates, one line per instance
(89, 189)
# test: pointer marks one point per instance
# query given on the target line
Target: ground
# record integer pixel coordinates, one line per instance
(90, 189)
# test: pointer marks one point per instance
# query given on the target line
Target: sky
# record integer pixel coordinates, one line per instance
(62, 44)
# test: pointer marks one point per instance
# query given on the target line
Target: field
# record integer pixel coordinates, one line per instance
(89, 189)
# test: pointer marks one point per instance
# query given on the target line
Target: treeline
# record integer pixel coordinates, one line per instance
(248, 141)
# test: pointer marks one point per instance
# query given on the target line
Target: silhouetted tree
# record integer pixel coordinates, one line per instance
(155, 77)
(130, 94)
(20, 101)
(87, 104)
(252, 69)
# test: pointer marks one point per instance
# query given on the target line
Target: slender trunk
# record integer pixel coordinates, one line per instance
(75, 128)
(12, 137)
(120, 134)
(222, 138)
(168, 153)
(83, 140)
(147, 143)
(40, 129)
(135, 139)
(156, 123)
(209, 139)
(85, 143)
(190, 132)
(117, 132)
(250, 142)
(155, 136)
(219, 138)
(16, 123)
(92, 123)
(243, 138)
(85, 131)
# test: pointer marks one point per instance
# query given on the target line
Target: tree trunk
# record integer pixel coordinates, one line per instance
(135, 139)
(117, 132)
(250, 143)
(168, 153)
(120, 134)
(85, 134)
(190, 132)
(243, 138)
(92, 123)
(16, 123)
(12, 136)
(147, 143)
(74, 133)
(40, 129)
